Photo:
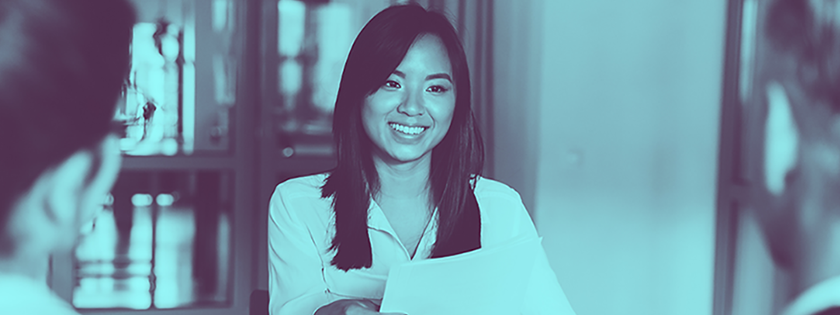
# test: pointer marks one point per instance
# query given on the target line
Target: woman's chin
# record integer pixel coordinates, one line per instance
(406, 157)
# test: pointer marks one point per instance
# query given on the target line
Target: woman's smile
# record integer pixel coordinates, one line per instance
(408, 130)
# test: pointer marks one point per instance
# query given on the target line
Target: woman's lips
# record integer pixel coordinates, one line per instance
(408, 130)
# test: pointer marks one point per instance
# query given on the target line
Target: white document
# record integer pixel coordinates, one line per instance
(484, 281)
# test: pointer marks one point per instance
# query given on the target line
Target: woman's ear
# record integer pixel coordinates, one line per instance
(781, 140)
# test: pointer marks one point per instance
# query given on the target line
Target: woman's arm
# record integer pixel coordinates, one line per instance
(295, 280)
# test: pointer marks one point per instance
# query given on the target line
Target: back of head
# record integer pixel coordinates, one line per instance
(807, 32)
(62, 64)
(797, 140)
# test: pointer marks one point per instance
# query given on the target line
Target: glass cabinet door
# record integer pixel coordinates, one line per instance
(181, 88)
(164, 242)
(166, 239)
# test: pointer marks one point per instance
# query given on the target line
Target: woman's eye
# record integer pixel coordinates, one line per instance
(437, 89)
(392, 84)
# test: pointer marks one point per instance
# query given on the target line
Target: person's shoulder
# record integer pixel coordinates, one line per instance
(301, 196)
(301, 187)
(25, 296)
(489, 188)
(503, 214)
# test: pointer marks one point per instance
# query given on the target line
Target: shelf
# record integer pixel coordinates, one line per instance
(182, 162)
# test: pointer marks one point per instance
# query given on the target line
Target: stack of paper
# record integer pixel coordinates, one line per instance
(484, 281)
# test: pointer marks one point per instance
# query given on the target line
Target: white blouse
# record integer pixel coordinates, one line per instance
(300, 231)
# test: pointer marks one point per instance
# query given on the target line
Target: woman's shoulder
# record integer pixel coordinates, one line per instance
(503, 215)
(489, 188)
(301, 187)
(300, 197)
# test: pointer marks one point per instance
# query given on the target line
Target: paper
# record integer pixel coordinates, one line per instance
(485, 281)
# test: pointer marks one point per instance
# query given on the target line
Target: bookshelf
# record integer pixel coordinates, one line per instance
(178, 238)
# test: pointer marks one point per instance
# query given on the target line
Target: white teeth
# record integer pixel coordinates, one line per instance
(407, 130)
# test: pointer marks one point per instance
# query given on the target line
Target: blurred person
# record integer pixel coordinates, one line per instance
(407, 185)
(797, 203)
(62, 64)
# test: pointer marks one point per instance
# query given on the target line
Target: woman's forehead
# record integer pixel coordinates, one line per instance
(427, 53)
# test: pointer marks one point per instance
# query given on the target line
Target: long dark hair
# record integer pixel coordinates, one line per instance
(794, 28)
(62, 63)
(456, 160)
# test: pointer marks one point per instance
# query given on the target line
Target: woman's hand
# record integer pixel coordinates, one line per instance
(352, 307)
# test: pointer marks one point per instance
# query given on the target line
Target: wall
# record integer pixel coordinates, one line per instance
(612, 110)
(754, 278)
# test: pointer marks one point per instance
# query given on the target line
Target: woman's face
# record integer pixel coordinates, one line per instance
(411, 112)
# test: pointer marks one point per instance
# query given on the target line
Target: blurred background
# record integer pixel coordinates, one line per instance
(611, 118)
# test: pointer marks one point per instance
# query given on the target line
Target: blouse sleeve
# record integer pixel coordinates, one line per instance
(544, 294)
(295, 279)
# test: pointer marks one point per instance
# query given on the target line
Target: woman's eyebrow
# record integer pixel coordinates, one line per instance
(429, 77)
(438, 76)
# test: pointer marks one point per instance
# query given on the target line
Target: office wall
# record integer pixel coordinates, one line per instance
(606, 120)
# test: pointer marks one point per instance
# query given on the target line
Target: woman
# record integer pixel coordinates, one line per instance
(62, 63)
(406, 184)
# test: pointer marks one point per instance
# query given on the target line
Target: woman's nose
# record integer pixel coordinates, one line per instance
(412, 104)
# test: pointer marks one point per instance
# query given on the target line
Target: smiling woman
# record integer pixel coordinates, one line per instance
(407, 185)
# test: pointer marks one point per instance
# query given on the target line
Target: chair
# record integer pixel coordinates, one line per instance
(259, 303)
